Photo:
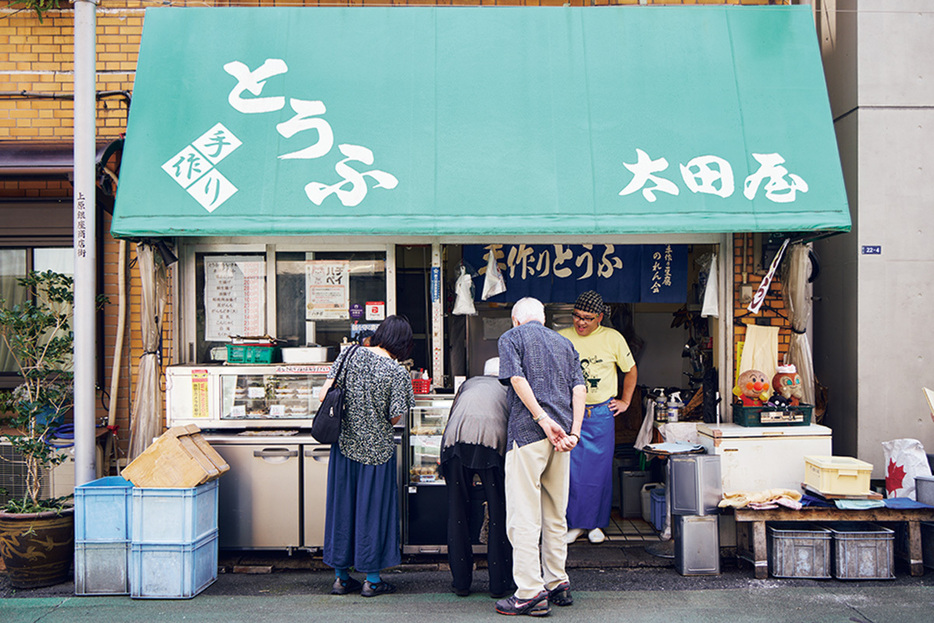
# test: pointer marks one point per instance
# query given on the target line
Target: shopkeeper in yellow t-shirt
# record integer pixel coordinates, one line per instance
(601, 350)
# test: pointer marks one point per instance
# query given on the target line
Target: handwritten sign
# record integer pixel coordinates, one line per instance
(664, 273)
(234, 297)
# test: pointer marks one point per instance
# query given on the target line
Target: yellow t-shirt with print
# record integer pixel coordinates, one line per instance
(601, 352)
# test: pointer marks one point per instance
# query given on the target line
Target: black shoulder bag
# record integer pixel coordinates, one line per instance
(326, 427)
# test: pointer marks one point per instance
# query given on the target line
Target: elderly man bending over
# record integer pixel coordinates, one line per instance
(546, 408)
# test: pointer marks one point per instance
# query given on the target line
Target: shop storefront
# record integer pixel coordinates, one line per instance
(328, 167)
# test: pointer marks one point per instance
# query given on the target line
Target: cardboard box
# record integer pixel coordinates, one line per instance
(837, 475)
(181, 458)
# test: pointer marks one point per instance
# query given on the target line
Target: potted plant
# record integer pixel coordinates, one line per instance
(36, 533)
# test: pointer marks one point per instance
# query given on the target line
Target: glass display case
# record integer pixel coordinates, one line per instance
(279, 396)
(255, 396)
(426, 425)
(424, 496)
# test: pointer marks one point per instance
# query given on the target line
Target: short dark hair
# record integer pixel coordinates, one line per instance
(395, 335)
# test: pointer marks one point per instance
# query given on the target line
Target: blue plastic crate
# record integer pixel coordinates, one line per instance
(102, 568)
(172, 570)
(102, 510)
(173, 515)
(659, 508)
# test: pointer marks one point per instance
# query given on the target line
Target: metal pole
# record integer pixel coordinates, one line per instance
(85, 228)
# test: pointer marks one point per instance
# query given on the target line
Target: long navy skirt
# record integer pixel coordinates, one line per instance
(361, 528)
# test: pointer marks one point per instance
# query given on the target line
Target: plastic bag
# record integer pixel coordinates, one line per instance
(463, 295)
(494, 283)
(905, 460)
(711, 305)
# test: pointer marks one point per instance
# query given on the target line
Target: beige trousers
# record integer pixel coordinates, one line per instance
(537, 480)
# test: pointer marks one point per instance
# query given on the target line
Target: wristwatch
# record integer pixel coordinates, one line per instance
(540, 416)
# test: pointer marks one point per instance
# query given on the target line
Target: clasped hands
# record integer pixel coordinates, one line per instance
(562, 441)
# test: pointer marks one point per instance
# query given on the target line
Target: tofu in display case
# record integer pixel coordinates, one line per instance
(426, 426)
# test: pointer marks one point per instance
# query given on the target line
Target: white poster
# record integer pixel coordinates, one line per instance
(327, 290)
(234, 297)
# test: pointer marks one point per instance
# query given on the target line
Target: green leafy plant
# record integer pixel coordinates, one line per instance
(38, 334)
(40, 7)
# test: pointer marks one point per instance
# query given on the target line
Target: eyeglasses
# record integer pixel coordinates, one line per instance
(583, 318)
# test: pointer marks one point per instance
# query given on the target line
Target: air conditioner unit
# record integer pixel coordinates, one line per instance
(57, 482)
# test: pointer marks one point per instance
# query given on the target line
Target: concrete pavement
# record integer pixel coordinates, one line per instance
(619, 588)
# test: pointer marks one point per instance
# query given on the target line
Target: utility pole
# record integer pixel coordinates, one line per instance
(85, 236)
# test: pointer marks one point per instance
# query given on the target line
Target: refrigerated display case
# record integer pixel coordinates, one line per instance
(425, 503)
(258, 417)
(257, 396)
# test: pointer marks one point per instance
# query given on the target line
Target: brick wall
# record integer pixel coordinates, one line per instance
(773, 311)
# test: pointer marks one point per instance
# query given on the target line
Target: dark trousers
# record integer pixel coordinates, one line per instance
(460, 553)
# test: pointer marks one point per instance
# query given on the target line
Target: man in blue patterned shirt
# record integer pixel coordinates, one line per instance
(546, 409)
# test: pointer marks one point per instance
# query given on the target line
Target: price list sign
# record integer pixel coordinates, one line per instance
(234, 297)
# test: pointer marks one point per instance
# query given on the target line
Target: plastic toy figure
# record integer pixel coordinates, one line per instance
(787, 382)
(752, 388)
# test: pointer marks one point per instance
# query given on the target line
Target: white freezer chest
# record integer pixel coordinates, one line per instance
(759, 458)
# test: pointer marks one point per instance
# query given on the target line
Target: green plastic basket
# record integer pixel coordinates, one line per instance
(251, 353)
(790, 416)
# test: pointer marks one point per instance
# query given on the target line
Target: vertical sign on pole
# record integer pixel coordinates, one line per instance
(85, 242)
(437, 317)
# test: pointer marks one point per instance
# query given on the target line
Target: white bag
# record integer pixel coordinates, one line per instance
(494, 283)
(905, 460)
(463, 295)
(711, 305)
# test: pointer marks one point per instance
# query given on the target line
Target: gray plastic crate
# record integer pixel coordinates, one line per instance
(799, 550)
(862, 551)
(101, 568)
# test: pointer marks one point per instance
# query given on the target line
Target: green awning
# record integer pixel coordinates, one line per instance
(480, 121)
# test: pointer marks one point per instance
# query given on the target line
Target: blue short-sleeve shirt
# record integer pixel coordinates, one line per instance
(551, 365)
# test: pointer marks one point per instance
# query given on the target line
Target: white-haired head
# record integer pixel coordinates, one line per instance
(528, 309)
(491, 367)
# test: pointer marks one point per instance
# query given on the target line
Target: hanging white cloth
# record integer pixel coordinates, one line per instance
(146, 414)
(760, 351)
(797, 295)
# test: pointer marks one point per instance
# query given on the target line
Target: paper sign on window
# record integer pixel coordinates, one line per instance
(327, 290)
(234, 297)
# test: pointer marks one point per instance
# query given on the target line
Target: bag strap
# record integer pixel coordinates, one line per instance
(340, 368)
